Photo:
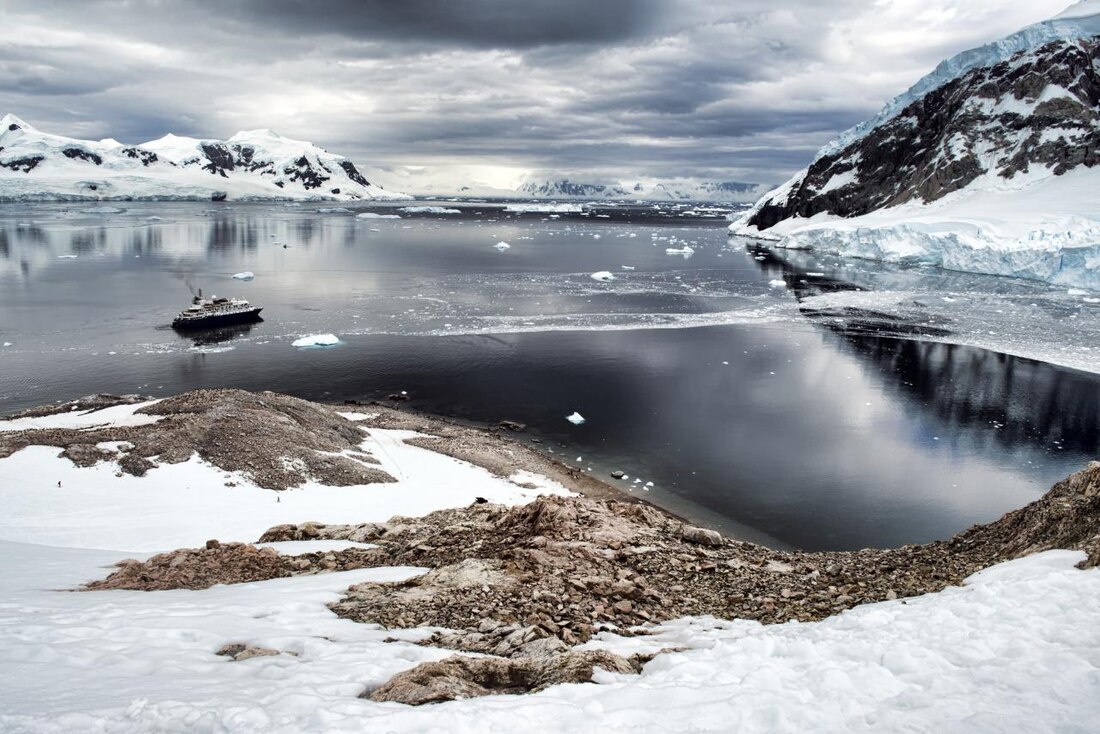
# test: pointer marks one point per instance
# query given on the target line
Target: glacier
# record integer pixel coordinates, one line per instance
(1047, 231)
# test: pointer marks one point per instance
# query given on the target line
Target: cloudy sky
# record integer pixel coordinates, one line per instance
(491, 90)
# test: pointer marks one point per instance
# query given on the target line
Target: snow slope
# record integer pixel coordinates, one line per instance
(256, 164)
(988, 164)
(1017, 647)
(178, 505)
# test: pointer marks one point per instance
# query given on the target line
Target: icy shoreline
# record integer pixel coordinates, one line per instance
(1048, 231)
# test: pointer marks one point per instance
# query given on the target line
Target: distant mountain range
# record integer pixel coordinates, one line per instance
(674, 190)
(251, 165)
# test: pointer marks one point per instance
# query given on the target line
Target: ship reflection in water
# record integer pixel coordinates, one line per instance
(219, 335)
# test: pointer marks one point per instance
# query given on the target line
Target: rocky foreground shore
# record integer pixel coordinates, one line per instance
(524, 586)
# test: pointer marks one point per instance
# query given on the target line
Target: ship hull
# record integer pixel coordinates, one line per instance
(224, 319)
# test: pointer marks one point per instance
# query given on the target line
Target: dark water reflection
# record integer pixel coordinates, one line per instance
(808, 438)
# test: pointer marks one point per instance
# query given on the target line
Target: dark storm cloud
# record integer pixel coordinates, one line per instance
(609, 88)
(515, 24)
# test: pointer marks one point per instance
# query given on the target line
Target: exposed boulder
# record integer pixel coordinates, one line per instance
(238, 651)
(466, 677)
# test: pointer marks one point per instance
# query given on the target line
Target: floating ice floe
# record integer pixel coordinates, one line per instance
(576, 419)
(502, 246)
(8, 344)
(603, 276)
(376, 215)
(627, 267)
(246, 275)
(429, 210)
(66, 257)
(101, 210)
(543, 208)
(686, 250)
(777, 283)
(317, 340)
(334, 210)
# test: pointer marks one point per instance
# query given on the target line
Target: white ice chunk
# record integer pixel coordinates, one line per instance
(317, 340)
(603, 276)
(576, 419)
(245, 275)
(686, 250)
(429, 210)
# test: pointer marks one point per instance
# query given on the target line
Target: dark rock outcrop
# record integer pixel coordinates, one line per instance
(275, 440)
(84, 155)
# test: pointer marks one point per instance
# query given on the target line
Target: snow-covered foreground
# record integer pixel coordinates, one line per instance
(1046, 230)
(1018, 646)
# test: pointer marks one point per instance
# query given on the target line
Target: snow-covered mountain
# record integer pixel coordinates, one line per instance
(254, 164)
(672, 190)
(991, 163)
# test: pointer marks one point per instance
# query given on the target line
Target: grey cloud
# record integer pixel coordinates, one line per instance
(619, 88)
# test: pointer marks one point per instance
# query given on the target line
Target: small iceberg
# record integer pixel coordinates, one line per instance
(777, 283)
(375, 215)
(502, 246)
(246, 275)
(686, 251)
(66, 257)
(627, 267)
(334, 210)
(317, 340)
(576, 419)
(603, 276)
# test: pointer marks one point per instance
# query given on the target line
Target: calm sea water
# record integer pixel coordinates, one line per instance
(732, 379)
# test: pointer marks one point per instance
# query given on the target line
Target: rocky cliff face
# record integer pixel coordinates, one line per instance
(1034, 114)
